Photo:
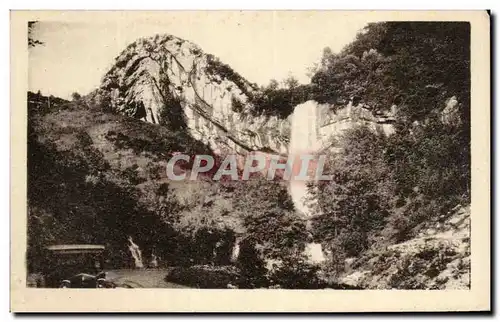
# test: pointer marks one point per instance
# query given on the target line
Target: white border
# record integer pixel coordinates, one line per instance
(424, 4)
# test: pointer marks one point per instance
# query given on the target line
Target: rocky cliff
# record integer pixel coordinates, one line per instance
(332, 120)
(167, 79)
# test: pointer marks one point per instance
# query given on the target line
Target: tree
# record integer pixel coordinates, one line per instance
(251, 266)
(32, 42)
(76, 97)
(273, 100)
(396, 184)
(416, 65)
(269, 217)
(291, 82)
(326, 57)
(356, 201)
(273, 85)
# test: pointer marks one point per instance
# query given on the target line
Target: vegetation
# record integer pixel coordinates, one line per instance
(273, 100)
(98, 173)
(386, 188)
(32, 42)
(204, 276)
(75, 184)
(356, 201)
(267, 100)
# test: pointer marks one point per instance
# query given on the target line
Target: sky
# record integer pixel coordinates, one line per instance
(78, 49)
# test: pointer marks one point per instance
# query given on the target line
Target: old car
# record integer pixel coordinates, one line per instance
(75, 266)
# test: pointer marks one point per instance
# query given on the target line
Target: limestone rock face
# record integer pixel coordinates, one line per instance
(333, 121)
(450, 115)
(165, 79)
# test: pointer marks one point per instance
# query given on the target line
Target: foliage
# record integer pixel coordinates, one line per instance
(355, 202)
(76, 97)
(417, 67)
(268, 100)
(204, 276)
(32, 42)
(100, 101)
(251, 266)
(216, 67)
(268, 216)
(171, 112)
(296, 273)
(272, 100)
(393, 185)
(76, 184)
(236, 105)
(414, 65)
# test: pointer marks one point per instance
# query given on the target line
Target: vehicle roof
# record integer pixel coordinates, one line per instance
(76, 247)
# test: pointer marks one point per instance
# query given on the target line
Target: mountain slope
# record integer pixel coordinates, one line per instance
(179, 85)
(439, 258)
(97, 177)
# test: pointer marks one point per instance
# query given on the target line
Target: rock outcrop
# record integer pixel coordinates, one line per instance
(438, 258)
(176, 82)
(333, 120)
(168, 80)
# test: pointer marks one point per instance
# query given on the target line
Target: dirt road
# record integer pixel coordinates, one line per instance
(142, 278)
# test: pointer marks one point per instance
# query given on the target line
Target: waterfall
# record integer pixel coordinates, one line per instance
(154, 261)
(135, 251)
(235, 251)
(304, 140)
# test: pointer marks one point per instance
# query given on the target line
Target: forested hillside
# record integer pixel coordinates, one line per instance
(387, 190)
(97, 177)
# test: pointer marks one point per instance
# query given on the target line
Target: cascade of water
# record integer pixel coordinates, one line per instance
(136, 253)
(305, 140)
(154, 261)
(236, 251)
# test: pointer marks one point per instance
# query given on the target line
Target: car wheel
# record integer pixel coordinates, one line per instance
(64, 284)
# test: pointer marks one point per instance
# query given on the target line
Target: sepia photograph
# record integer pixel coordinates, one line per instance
(316, 151)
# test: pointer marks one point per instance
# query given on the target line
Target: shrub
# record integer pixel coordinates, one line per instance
(76, 97)
(251, 266)
(236, 105)
(133, 176)
(204, 276)
(296, 273)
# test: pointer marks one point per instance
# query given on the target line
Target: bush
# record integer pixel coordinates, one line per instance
(251, 266)
(204, 276)
(100, 101)
(133, 176)
(236, 105)
(76, 97)
(296, 273)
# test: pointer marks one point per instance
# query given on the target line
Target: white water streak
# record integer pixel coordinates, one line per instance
(136, 253)
(304, 140)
